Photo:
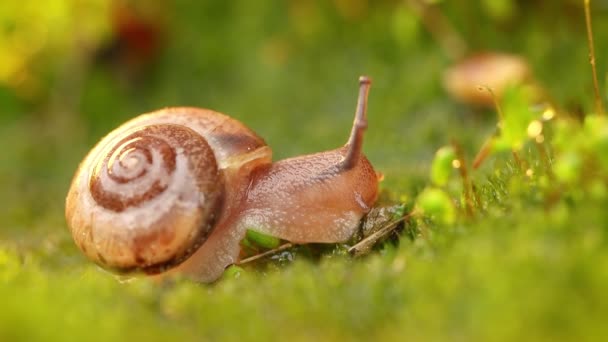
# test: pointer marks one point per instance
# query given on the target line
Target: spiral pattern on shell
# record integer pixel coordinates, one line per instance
(145, 198)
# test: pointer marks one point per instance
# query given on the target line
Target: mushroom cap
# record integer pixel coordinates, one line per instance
(465, 80)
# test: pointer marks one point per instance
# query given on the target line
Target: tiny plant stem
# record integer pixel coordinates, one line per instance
(265, 254)
(440, 28)
(599, 107)
(501, 116)
(475, 194)
(355, 141)
(518, 161)
(545, 158)
(483, 153)
(466, 181)
(366, 244)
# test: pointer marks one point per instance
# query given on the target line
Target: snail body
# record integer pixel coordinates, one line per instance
(174, 191)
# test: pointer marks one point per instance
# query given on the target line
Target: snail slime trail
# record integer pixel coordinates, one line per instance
(176, 190)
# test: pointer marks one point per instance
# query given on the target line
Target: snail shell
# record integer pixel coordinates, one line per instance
(149, 193)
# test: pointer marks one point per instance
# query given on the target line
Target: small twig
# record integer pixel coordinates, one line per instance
(265, 254)
(484, 152)
(467, 184)
(501, 116)
(518, 161)
(545, 158)
(475, 195)
(365, 244)
(598, 99)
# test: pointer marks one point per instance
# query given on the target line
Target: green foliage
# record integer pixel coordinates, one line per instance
(500, 9)
(595, 131)
(258, 239)
(32, 36)
(232, 271)
(442, 168)
(517, 116)
(437, 205)
(568, 167)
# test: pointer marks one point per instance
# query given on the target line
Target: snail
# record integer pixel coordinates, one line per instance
(175, 191)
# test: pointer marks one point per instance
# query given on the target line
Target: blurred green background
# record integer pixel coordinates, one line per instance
(72, 70)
